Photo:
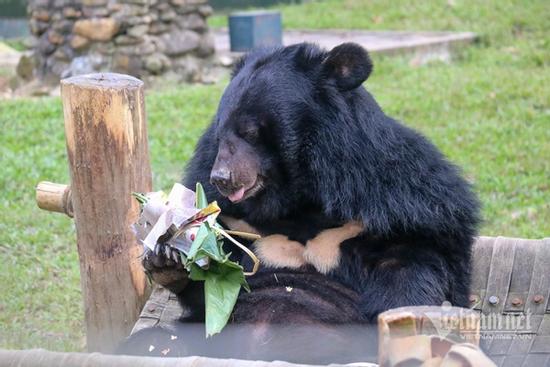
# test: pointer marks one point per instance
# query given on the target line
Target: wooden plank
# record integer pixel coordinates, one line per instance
(500, 273)
(481, 260)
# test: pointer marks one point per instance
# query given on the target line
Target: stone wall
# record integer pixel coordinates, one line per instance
(137, 37)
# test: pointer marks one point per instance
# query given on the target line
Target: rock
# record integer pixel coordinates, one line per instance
(137, 9)
(64, 53)
(30, 42)
(114, 7)
(186, 9)
(98, 61)
(80, 65)
(162, 7)
(212, 76)
(93, 2)
(138, 2)
(104, 48)
(44, 46)
(55, 38)
(206, 46)
(180, 42)
(85, 64)
(92, 12)
(41, 14)
(63, 26)
(136, 20)
(127, 64)
(41, 91)
(70, 12)
(58, 67)
(189, 67)
(145, 48)
(37, 27)
(168, 16)
(35, 87)
(60, 3)
(205, 10)
(78, 42)
(56, 17)
(25, 66)
(187, 2)
(153, 17)
(226, 61)
(98, 29)
(158, 28)
(127, 40)
(138, 30)
(156, 63)
(191, 21)
(148, 37)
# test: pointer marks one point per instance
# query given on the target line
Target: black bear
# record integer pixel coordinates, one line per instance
(358, 213)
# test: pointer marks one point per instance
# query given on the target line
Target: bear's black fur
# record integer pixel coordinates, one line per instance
(329, 148)
(315, 151)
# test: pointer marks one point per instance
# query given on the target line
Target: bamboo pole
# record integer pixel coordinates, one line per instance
(108, 156)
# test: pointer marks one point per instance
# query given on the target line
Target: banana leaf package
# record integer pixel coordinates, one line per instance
(184, 220)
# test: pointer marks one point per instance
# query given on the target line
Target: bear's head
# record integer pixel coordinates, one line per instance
(269, 116)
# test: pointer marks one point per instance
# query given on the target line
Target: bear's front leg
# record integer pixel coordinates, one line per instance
(164, 266)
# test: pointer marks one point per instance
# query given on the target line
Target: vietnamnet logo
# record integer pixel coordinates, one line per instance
(493, 325)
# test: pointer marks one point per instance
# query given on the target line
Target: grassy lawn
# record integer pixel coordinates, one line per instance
(489, 111)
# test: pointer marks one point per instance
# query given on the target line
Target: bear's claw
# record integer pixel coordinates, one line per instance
(164, 266)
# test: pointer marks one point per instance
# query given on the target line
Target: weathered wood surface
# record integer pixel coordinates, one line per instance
(108, 155)
(43, 358)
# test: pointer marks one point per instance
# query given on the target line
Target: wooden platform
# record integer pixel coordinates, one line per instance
(511, 279)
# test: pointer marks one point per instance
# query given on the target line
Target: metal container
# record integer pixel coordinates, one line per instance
(251, 29)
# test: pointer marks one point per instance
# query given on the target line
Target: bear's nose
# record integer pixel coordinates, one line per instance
(221, 178)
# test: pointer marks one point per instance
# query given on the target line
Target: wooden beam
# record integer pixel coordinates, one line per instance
(108, 155)
(54, 197)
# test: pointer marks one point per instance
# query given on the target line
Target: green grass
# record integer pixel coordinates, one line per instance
(15, 43)
(489, 111)
(41, 300)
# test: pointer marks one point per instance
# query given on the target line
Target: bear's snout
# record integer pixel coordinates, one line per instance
(235, 171)
(221, 178)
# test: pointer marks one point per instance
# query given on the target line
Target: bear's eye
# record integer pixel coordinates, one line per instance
(248, 133)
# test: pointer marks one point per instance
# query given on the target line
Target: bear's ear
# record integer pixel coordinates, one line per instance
(348, 65)
(237, 66)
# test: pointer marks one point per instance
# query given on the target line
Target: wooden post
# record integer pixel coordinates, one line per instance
(108, 155)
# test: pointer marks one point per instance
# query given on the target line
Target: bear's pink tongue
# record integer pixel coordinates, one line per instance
(237, 195)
